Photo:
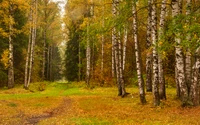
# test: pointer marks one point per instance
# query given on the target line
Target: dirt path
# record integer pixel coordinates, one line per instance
(64, 107)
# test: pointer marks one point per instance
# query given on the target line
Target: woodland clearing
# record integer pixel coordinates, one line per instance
(72, 103)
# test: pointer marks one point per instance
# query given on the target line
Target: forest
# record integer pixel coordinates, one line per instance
(129, 57)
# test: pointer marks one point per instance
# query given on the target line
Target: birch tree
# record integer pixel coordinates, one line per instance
(138, 55)
(30, 58)
(180, 74)
(118, 53)
(188, 59)
(162, 91)
(88, 48)
(155, 55)
(195, 86)
(149, 53)
(10, 40)
(124, 47)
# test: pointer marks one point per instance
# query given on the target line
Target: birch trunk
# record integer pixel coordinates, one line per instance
(124, 48)
(195, 86)
(28, 51)
(195, 82)
(27, 60)
(88, 56)
(34, 23)
(116, 47)
(155, 55)
(121, 73)
(162, 90)
(188, 61)
(149, 53)
(113, 54)
(138, 56)
(10, 68)
(88, 48)
(180, 58)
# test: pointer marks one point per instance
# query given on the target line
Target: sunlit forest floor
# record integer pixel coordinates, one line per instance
(72, 103)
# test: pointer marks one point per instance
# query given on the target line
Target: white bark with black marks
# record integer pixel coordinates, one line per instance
(10, 61)
(138, 56)
(195, 86)
(162, 90)
(155, 55)
(149, 51)
(188, 59)
(180, 68)
(33, 40)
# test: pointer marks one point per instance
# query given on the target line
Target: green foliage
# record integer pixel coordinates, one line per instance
(185, 27)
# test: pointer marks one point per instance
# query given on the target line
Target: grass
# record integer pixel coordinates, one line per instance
(71, 103)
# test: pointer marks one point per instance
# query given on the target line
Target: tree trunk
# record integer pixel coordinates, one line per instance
(124, 48)
(121, 72)
(88, 48)
(149, 52)
(188, 61)
(162, 90)
(116, 47)
(195, 86)
(180, 58)
(138, 56)
(10, 68)
(34, 23)
(155, 55)
(27, 58)
(113, 54)
(88, 56)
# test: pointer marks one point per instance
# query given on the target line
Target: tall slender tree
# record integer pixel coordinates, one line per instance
(32, 39)
(10, 35)
(149, 52)
(138, 55)
(155, 55)
(188, 59)
(162, 90)
(88, 47)
(180, 74)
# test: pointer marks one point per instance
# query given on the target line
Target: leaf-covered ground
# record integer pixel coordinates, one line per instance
(71, 103)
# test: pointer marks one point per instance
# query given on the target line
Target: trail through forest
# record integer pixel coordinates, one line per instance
(64, 107)
(73, 104)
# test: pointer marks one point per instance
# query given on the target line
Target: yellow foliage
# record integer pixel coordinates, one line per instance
(5, 58)
(84, 24)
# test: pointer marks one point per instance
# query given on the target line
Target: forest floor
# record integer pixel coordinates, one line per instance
(72, 103)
